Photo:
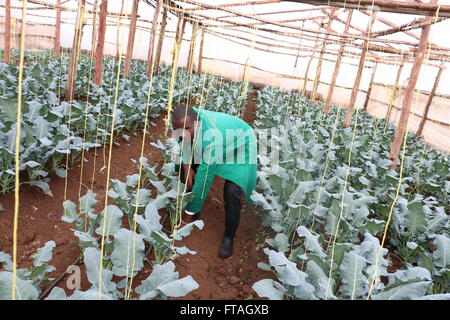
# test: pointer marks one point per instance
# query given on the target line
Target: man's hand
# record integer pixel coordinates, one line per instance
(189, 176)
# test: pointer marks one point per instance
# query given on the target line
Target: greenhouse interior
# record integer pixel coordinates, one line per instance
(333, 117)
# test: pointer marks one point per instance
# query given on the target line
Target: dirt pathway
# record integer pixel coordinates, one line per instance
(40, 221)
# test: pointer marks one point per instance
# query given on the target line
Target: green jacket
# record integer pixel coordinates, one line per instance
(229, 150)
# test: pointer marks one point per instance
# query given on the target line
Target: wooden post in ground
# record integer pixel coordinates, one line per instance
(190, 60)
(98, 76)
(337, 64)
(179, 37)
(407, 101)
(162, 30)
(57, 44)
(118, 32)
(72, 73)
(394, 91)
(131, 36)
(362, 60)
(200, 54)
(319, 65)
(305, 81)
(94, 28)
(150, 59)
(369, 90)
(430, 99)
(8, 31)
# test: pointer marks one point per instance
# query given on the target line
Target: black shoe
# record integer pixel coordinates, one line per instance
(196, 216)
(226, 249)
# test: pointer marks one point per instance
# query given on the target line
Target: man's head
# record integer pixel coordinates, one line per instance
(184, 117)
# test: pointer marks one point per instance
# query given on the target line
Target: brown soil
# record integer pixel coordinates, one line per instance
(40, 221)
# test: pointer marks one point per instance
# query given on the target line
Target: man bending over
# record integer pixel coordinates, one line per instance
(219, 144)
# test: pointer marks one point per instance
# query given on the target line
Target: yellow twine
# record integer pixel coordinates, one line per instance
(17, 151)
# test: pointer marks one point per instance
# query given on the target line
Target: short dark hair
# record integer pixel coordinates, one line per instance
(183, 110)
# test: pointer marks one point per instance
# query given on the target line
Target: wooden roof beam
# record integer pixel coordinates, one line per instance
(254, 17)
(415, 24)
(237, 4)
(394, 6)
(280, 12)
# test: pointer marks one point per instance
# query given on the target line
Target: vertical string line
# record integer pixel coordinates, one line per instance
(17, 151)
(79, 25)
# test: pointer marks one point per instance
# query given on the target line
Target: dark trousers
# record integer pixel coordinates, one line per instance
(232, 198)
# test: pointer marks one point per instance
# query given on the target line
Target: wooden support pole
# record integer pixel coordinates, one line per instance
(75, 50)
(200, 54)
(8, 31)
(118, 31)
(369, 90)
(94, 28)
(362, 60)
(131, 36)
(299, 46)
(305, 81)
(160, 40)
(98, 76)
(407, 101)
(190, 60)
(150, 58)
(57, 45)
(430, 100)
(319, 65)
(180, 38)
(177, 36)
(394, 91)
(337, 64)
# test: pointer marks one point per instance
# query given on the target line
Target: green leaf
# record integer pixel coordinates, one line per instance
(44, 186)
(92, 263)
(373, 226)
(441, 256)
(280, 242)
(44, 254)
(267, 288)
(354, 281)
(415, 218)
(8, 109)
(57, 294)
(128, 254)
(164, 279)
(311, 241)
(87, 203)
(91, 294)
(178, 288)
(187, 229)
(406, 291)
(162, 200)
(25, 290)
(142, 200)
(324, 287)
(61, 172)
(150, 223)
(113, 220)
(288, 273)
(442, 296)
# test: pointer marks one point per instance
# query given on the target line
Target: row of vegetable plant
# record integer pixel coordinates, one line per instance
(328, 200)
